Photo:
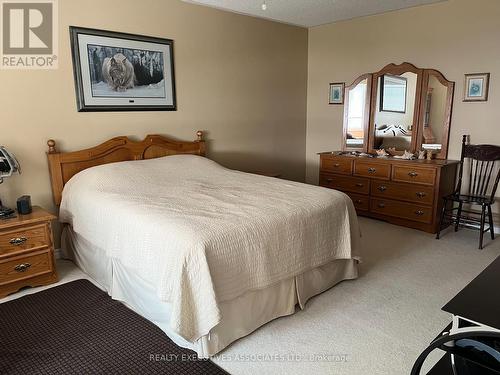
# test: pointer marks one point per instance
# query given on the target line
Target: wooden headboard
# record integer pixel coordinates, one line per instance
(63, 165)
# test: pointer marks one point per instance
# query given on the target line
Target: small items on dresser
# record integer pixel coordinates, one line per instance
(8, 166)
(407, 155)
(382, 153)
(26, 251)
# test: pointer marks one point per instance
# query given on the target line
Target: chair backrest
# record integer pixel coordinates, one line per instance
(481, 163)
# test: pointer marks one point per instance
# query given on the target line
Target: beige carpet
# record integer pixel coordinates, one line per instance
(377, 324)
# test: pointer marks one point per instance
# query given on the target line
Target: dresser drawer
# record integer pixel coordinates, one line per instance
(375, 170)
(406, 192)
(24, 267)
(336, 165)
(416, 175)
(345, 183)
(15, 240)
(402, 210)
(361, 202)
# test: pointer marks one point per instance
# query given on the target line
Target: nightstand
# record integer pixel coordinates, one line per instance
(26, 251)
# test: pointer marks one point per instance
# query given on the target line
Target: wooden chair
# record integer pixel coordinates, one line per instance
(481, 164)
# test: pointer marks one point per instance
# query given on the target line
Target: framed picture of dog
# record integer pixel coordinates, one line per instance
(122, 72)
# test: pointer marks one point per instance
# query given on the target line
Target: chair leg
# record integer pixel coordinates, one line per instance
(459, 214)
(441, 220)
(492, 226)
(481, 232)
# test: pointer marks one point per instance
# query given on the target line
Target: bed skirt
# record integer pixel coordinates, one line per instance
(240, 316)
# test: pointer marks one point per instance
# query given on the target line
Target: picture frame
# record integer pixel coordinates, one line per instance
(117, 71)
(476, 87)
(336, 93)
(393, 92)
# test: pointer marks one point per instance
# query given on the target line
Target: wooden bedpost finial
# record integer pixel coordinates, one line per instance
(52, 146)
(199, 134)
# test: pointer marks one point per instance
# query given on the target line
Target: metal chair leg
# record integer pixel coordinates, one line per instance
(481, 231)
(459, 214)
(490, 219)
(441, 220)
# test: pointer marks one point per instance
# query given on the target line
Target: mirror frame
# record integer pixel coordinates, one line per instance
(396, 70)
(366, 123)
(450, 87)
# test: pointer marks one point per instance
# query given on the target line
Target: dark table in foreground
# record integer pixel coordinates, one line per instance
(479, 302)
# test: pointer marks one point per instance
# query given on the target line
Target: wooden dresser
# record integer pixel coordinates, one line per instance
(402, 192)
(26, 251)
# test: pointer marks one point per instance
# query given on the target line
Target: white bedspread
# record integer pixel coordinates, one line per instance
(202, 233)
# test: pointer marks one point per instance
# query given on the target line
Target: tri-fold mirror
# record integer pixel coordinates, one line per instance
(399, 108)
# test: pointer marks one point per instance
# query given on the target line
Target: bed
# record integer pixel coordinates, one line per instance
(207, 253)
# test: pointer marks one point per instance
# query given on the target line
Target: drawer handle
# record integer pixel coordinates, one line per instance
(359, 184)
(22, 267)
(419, 212)
(18, 241)
(336, 165)
(412, 174)
(329, 180)
(371, 170)
(381, 205)
(358, 201)
(382, 188)
(420, 194)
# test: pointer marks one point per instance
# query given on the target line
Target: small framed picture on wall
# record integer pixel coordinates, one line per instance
(336, 95)
(476, 87)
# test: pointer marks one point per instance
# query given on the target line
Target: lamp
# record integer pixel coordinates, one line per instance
(8, 166)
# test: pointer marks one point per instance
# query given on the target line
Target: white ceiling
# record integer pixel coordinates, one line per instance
(308, 13)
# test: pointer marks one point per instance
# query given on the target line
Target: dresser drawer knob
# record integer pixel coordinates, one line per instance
(412, 174)
(18, 241)
(419, 212)
(371, 170)
(329, 180)
(381, 205)
(359, 184)
(336, 165)
(22, 267)
(358, 201)
(382, 188)
(420, 194)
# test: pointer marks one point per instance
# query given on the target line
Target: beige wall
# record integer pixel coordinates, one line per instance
(455, 37)
(241, 79)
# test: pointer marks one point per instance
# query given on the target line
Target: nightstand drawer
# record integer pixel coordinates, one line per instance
(19, 239)
(23, 267)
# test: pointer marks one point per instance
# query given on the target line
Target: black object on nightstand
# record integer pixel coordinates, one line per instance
(472, 341)
(24, 205)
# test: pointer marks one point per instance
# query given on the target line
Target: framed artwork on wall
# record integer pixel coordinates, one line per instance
(336, 95)
(476, 87)
(122, 72)
(393, 93)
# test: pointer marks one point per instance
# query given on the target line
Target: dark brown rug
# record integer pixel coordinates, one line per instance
(76, 328)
